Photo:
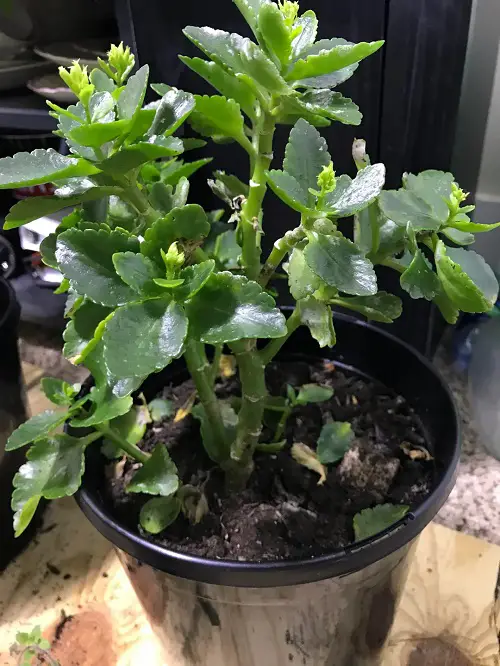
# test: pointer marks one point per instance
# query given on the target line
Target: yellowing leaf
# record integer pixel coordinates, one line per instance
(305, 456)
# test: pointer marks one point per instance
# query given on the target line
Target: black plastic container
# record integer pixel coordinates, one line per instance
(334, 610)
(12, 414)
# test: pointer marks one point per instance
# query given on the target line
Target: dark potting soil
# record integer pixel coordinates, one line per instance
(284, 513)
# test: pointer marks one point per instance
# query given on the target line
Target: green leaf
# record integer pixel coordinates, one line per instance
(227, 251)
(334, 442)
(338, 262)
(142, 338)
(158, 513)
(132, 96)
(166, 283)
(222, 114)
(458, 237)
(309, 393)
(86, 259)
(301, 279)
(181, 193)
(80, 333)
(369, 522)
(97, 134)
(33, 208)
(288, 189)
(160, 409)
(308, 26)
(107, 407)
(419, 279)
(250, 11)
(230, 308)
(327, 61)
(234, 186)
(58, 391)
(274, 31)
(434, 187)
(306, 154)
(381, 307)
(292, 109)
(447, 308)
(466, 278)
(189, 222)
(105, 381)
(317, 316)
(174, 107)
(238, 55)
(392, 236)
(332, 105)
(102, 82)
(328, 80)
(138, 272)
(473, 227)
(174, 171)
(53, 469)
(40, 166)
(361, 192)
(226, 84)
(194, 278)
(132, 157)
(405, 207)
(132, 425)
(216, 450)
(35, 428)
(101, 107)
(161, 197)
(158, 476)
(48, 250)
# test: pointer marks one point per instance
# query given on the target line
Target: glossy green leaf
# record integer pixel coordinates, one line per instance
(301, 279)
(161, 197)
(35, 428)
(274, 31)
(332, 105)
(132, 425)
(222, 114)
(381, 307)
(102, 82)
(458, 237)
(327, 61)
(328, 80)
(473, 227)
(239, 55)
(189, 222)
(370, 522)
(466, 278)
(160, 409)
(250, 11)
(144, 337)
(405, 207)
(339, 263)
(173, 172)
(105, 381)
(33, 208)
(194, 278)
(288, 189)
(419, 279)
(58, 391)
(80, 333)
(132, 96)
(292, 109)
(309, 393)
(361, 192)
(334, 442)
(48, 250)
(217, 451)
(138, 272)
(308, 26)
(53, 469)
(40, 166)
(317, 316)
(158, 476)
(391, 237)
(98, 134)
(181, 193)
(226, 84)
(86, 259)
(158, 513)
(306, 154)
(106, 408)
(101, 106)
(227, 250)
(434, 187)
(174, 107)
(448, 309)
(230, 308)
(132, 157)
(168, 283)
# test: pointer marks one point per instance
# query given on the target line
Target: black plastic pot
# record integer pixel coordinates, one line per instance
(334, 610)
(12, 414)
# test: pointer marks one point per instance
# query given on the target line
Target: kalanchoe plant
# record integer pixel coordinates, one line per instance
(151, 278)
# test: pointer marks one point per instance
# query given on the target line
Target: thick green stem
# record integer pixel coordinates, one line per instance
(201, 372)
(251, 213)
(139, 201)
(273, 347)
(278, 253)
(130, 449)
(216, 362)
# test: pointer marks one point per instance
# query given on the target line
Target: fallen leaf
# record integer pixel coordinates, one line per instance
(305, 456)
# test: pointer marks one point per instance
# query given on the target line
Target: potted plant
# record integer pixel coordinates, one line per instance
(263, 473)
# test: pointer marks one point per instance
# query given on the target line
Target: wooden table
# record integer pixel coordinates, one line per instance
(449, 616)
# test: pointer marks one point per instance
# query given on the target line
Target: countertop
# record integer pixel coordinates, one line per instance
(474, 504)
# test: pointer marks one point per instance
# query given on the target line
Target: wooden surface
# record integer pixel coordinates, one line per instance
(448, 616)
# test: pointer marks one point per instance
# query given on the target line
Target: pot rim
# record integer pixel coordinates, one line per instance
(350, 559)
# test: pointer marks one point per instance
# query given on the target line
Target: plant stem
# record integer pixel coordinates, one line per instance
(216, 362)
(254, 392)
(139, 201)
(392, 263)
(280, 428)
(251, 212)
(279, 251)
(130, 449)
(201, 372)
(272, 348)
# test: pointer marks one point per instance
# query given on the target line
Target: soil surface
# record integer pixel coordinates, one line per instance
(284, 513)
